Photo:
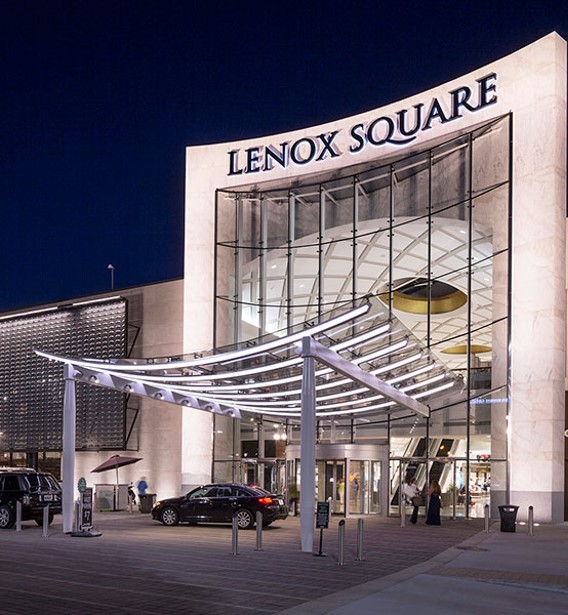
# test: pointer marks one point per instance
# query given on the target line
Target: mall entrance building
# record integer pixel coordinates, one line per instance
(445, 215)
(449, 208)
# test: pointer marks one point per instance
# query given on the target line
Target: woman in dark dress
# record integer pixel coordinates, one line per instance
(434, 492)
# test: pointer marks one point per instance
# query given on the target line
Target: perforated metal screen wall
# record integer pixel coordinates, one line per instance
(31, 388)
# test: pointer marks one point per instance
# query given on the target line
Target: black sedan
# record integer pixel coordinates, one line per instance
(218, 504)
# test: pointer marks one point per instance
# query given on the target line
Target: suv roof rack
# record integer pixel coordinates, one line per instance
(16, 469)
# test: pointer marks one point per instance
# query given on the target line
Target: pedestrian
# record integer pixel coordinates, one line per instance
(434, 493)
(142, 486)
(412, 494)
(131, 494)
(293, 497)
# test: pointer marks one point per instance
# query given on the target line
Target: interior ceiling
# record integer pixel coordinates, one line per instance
(449, 255)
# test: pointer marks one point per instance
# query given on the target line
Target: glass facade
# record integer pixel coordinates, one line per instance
(429, 236)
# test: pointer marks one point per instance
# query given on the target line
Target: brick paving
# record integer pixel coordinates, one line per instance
(140, 566)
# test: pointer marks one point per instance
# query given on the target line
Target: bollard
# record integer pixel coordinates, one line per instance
(531, 521)
(18, 516)
(45, 522)
(341, 554)
(402, 512)
(258, 531)
(486, 512)
(359, 557)
(235, 545)
(77, 522)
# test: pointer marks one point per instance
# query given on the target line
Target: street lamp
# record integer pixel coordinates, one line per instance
(111, 269)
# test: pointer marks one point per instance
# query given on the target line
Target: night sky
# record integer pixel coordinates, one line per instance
(99, 100)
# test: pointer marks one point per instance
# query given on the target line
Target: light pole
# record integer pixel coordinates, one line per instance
(111, 269)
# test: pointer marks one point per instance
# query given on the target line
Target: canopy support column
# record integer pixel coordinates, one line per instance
(68, 465)
(308, 448)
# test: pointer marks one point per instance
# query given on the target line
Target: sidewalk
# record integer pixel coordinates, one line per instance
(487, 573)
(140, 566)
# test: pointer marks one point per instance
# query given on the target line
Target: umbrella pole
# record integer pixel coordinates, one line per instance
(116, 491)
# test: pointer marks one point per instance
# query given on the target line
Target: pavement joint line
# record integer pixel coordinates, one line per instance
(502, 575)
(323, 605)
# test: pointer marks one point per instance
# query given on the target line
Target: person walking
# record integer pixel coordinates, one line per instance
(142, 486)
(434, 493)
(412, 494)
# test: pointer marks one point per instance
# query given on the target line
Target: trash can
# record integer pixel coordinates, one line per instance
(147, 502)
(508, 518)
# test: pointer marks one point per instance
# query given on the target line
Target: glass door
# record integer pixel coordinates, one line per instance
(358, 487)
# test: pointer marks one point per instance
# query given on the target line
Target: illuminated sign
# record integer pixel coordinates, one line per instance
(399, 128)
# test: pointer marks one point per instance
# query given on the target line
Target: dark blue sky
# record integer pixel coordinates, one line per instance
(100, 98)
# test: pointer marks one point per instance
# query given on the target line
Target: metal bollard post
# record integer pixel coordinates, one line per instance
(341, 554)
(18, 516)
(359, 557)
(235, 545)
(402, 509)
(77, 521)
(486, 512)
(45, 522)
(531, 521)
(258, 531)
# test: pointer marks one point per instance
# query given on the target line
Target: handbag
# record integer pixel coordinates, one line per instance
(417, 500)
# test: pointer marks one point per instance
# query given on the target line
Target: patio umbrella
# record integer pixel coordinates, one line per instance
(115, 462)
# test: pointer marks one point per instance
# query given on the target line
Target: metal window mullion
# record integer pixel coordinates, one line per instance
(320, 252)
(262, 268)
(290, 259)
(237, 296)
(509, 310)
(468, 344)
(390, 235)
(215, 275)
(429, 277)
(355, 222)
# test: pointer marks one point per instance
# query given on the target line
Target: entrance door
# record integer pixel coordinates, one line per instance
(330, 483)
(358, 487)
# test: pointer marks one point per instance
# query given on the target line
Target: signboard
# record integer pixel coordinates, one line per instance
(86, 509)
(398, 128)
(322, 515)
(81, 485)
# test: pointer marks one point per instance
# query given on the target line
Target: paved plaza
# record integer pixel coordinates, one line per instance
(140, 566)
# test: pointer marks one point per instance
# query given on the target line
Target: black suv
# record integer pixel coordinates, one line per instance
(35, 490)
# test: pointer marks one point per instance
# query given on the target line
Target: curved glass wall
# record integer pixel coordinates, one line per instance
(429, 236)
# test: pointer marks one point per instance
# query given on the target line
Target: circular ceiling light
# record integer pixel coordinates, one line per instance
(462, 349)
(411, 296)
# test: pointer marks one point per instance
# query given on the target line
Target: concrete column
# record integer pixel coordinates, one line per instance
(308, 448)
(68, 464)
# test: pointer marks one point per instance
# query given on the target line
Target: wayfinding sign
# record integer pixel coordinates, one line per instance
(322, 515)
(86, 509)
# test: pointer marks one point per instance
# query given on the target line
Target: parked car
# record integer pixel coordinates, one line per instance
(35, 490)
(218, 503)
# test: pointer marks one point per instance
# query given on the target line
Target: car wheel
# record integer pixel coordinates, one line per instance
(245, 520)
(169, 516)
(7, 517)
(49, 520)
